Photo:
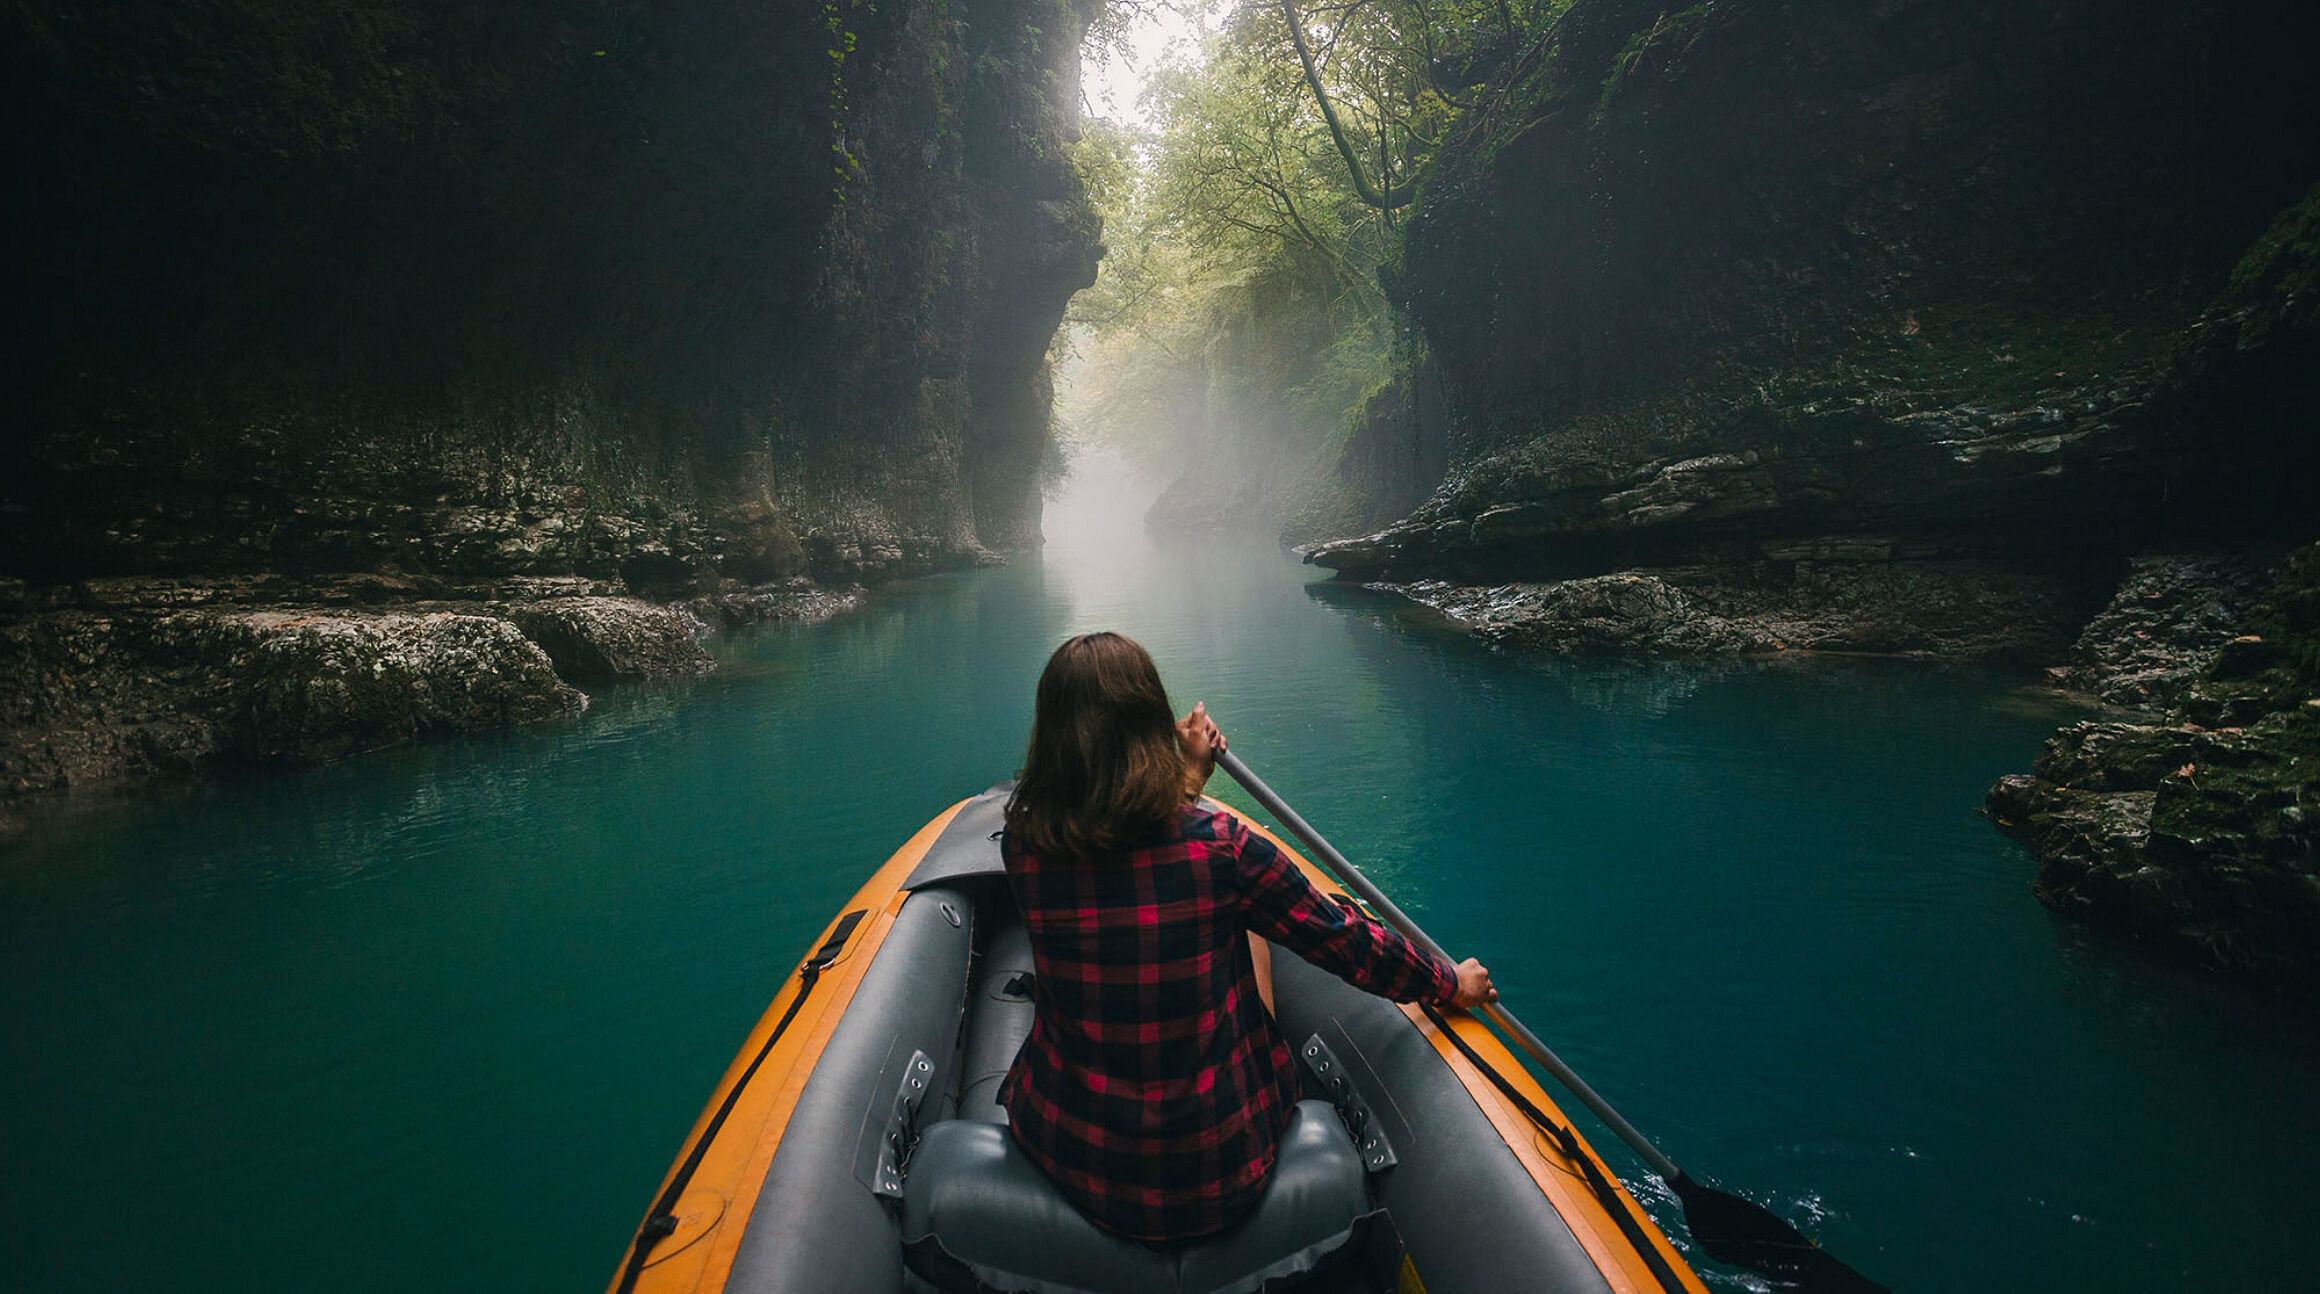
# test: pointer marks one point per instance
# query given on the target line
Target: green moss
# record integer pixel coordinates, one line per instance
(2255, 680)
(2246, 798)
(1978, 353)
(2284, 262)
(1671, 32)
(2290, 616)
(2280, 270)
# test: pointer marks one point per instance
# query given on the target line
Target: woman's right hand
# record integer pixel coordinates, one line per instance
(1201, 742)
(1474, 986)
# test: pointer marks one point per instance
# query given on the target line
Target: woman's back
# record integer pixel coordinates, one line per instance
(1154, 1085)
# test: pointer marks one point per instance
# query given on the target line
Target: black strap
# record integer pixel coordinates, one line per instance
(1606, 1191)
(663, 1218)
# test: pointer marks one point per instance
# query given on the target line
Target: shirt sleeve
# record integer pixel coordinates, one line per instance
(1280, 904)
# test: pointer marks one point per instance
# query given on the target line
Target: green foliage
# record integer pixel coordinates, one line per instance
(2290, 616)
(1669, 32)
(837, 25)
(2280, 273)
(1239, 306)
(2286, 260)
(1240, 275)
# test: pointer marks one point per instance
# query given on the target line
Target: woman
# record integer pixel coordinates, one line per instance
(1154, 1086)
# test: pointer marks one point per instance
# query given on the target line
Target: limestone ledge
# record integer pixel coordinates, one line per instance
(1805, 599)
(1925, 471)
(128, 677)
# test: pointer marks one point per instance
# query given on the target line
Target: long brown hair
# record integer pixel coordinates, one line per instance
(1103, 766)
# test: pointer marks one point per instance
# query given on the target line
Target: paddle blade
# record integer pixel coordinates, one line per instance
(1744, 1233)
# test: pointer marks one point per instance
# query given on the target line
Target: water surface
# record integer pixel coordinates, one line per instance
(439, 1018)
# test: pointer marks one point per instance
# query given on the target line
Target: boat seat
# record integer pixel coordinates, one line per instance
(999, 1012)
(979, 1215)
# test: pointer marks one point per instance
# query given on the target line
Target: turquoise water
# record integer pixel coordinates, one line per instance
(439, 1018)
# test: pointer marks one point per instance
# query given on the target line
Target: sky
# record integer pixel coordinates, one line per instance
(1113, 85)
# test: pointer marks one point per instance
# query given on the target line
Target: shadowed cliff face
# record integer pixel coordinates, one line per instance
(692, 297)
(1822, 296)
(1931, 326)
(363, 356)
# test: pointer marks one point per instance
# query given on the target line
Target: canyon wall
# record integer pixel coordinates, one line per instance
(401, 307)
(1891, 327)
(1945, 327)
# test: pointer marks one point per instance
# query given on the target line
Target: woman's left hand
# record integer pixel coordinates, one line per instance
(1202, 742)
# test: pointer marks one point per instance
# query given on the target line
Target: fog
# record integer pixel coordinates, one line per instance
(1100, 508)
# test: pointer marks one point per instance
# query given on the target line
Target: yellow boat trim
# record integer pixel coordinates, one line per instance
(1559, 1177)
(713, 1213)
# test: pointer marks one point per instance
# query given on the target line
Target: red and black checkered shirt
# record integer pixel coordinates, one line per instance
(1154, 1086)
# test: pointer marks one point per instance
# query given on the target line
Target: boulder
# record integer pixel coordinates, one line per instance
(596, 639)
(311, 687)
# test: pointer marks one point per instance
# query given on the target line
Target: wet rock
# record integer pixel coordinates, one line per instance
(84, 697)
(88, 697)
(316, 687)
(594, 639)
(793, 602)
(134, 676)
(2198, 833)
(2012, 799)
(2089, 846)
(2170, 619)
(1625, 614)
(1835, 595)
(2108, 756)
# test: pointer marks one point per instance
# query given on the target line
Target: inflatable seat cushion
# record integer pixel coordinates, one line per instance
(978, 1215)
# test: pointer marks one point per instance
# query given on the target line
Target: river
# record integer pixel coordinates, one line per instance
(440, 1017)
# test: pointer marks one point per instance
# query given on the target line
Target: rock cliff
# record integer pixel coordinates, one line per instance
(394, 305)
(1841, 322)
(1952, 327)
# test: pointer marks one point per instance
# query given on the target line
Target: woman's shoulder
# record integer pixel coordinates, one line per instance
(1205, 819)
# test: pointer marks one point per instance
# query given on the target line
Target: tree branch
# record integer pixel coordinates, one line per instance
(1400, 195)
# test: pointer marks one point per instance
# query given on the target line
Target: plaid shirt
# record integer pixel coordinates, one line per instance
(1154, 1086)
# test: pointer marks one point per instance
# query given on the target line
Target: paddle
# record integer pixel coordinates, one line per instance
(1731, 1229)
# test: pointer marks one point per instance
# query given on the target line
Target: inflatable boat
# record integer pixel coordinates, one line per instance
(857, 1143)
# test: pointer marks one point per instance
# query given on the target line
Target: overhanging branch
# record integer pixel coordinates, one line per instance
(1386, 200)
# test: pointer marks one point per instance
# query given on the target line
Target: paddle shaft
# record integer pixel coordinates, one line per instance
(1400, 920)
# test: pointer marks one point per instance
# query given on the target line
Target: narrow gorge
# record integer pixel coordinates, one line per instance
(1785, 530)
(382, 374)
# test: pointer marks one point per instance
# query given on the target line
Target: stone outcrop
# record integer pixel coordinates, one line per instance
(2196, 825)
(92, 695)
(1801, 602)
(308, 687)
(136, 676)
(798, 602)
(595, 640)
(2164, 627)
(1598, 615)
